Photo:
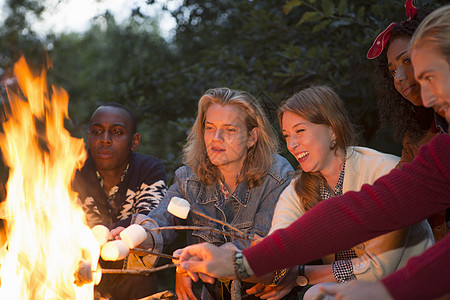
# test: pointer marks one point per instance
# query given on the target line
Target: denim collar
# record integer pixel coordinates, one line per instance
(241, 194)
(211, 193)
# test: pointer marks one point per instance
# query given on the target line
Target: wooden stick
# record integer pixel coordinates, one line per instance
(144, 251)
(245, 237)
(223, 223)
(145, 272)
(161, 295)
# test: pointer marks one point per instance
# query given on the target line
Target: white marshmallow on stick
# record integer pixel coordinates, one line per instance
(101, 234)
(115, 250)
(179, 207)
(133, 235)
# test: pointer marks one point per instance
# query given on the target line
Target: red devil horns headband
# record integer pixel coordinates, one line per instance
(383, 38)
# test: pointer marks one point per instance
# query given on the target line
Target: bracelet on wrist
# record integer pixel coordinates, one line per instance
(239, 267)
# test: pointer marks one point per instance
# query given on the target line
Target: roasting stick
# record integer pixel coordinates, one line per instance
(221, 223)
(180, 208)
(131, 237)
(145, 272)
(85, 275)
(143, 251)
(244, 237)
(117, 250)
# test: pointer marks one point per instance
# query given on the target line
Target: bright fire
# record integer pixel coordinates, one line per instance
(47, 235)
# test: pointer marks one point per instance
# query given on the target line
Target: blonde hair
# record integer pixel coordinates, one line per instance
(259, 157)
(435, 29)
(319, 105)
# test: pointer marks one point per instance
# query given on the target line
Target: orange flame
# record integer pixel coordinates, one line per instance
(47, 235)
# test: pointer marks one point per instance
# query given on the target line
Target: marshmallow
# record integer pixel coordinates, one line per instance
(115, 250)
(101, 234)
(133, 235)
(97, 274)
(179, 207)
(83, 275)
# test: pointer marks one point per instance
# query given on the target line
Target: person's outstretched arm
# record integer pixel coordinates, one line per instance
(398, 199)
(401, 198)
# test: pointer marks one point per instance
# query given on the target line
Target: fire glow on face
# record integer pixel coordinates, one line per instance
(46, 232)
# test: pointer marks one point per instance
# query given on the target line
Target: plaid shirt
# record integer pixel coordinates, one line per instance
(342, 267)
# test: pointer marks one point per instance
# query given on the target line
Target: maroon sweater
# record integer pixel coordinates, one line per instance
(396, 200)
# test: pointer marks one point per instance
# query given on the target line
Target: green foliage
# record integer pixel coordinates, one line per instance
(126, 64)
(16, 35)
(271, 48)
(337, 34)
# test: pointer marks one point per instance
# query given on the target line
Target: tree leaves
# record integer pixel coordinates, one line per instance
(311, 16)
(290, 4)
(271, 48)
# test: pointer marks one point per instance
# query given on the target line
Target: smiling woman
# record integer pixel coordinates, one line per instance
(319, 134)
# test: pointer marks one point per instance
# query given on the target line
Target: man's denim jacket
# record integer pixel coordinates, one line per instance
(250, 210)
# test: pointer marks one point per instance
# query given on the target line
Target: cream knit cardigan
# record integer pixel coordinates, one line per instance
(377, 257)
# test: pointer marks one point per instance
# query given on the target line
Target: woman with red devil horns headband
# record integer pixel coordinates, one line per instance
(398, 93)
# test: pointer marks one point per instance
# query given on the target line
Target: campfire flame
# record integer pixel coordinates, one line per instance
(46, 233)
